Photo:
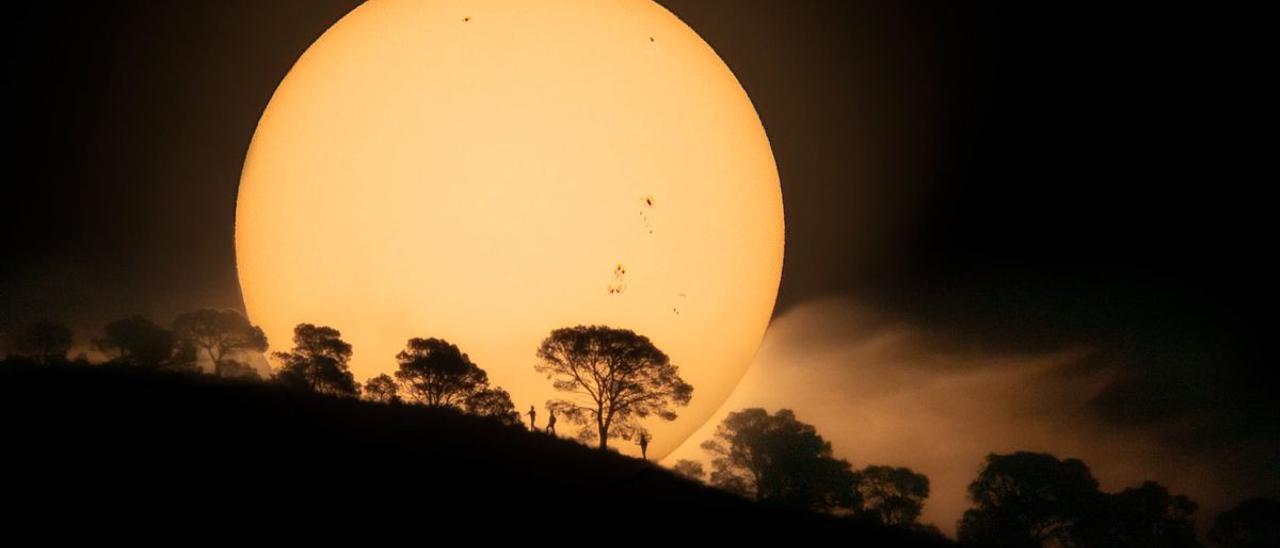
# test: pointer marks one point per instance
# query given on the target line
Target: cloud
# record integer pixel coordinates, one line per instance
(887, 392)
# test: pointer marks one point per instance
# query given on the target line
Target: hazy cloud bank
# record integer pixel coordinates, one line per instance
(891, 393)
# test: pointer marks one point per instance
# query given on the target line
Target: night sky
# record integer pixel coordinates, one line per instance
(1003, 178)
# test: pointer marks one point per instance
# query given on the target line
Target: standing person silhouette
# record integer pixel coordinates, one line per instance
(533, 420)
(644, 445)
(551, 423)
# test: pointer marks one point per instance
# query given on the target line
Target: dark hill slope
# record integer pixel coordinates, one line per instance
(114, 442)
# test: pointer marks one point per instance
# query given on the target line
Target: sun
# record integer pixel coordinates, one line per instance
(488, 171)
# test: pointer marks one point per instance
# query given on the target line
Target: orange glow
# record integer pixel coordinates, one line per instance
(488, 171)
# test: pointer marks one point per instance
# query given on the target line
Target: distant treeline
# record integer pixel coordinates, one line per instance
(613, 379)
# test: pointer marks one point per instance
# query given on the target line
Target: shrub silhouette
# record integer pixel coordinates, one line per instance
(691, 469)
(235, 369)
(382, 389)
(494, 403)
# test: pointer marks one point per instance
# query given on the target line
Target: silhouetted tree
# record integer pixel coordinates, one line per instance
(1034, 499)
(494, 403)
(185, 357)
(615, 376)
(137, 341)
(318, 362)
(889, 495)
(382, 389)
(778, 460)
(691, 469)
(436, 373)
(1142, 517)
(220, 334)
(1029, 499)
(44, 342)
(1254, 523)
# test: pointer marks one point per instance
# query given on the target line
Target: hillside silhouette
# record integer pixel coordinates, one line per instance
(114, 441)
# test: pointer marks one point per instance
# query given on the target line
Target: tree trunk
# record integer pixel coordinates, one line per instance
(217, 363)
(604, 436)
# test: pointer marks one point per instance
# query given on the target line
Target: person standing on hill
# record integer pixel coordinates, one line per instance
(533, 419)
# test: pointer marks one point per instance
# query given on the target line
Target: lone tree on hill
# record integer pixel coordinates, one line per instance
(318, 362)
(220, 334)
(436, 373)
(615, 377)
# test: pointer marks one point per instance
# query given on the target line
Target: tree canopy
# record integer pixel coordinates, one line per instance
(614, 377)
(1254, 523)
(1028, 499)
(890, 495)
(778, 460)
(436, 373)
(494, 403)
(1033, 499)
(318, 362)
(220, 334)
(382, 389)
(137, 341)
(1145, 516)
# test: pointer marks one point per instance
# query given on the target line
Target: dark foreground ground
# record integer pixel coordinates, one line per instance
(110, 449)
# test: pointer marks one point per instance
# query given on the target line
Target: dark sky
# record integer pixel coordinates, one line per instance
(1005, 176)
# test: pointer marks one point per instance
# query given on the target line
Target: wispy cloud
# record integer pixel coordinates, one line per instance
(891, 393)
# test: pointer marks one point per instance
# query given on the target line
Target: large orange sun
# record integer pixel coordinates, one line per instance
(487, 171)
